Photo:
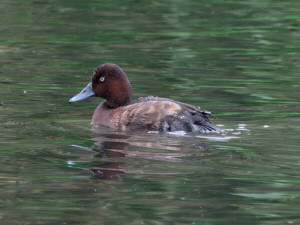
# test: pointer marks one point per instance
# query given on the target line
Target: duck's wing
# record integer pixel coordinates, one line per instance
(178, 116)
(188, 119)
(188, 106)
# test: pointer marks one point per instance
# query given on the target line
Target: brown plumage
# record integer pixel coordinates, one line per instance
(150, 113)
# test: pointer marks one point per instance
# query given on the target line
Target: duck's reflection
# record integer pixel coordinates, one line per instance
(147, 147)
(109, 170)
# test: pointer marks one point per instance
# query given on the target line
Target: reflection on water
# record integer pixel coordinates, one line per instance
(117, 146)
(237, 59)
(175, 147)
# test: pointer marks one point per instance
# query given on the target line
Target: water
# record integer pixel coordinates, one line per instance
(237, 59)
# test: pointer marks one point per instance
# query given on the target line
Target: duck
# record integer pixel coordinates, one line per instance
(120, 112)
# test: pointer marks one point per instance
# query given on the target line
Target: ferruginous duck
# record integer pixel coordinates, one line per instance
(120, 112)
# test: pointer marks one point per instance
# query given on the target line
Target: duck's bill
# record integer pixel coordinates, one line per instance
(85, 93)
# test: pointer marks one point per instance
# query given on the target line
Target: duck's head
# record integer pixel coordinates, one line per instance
(109, 82)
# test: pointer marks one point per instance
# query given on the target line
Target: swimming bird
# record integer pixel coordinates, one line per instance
(120, 112)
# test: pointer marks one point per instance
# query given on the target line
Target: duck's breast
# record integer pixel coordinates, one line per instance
(104, 115)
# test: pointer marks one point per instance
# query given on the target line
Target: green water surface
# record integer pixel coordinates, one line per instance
(237, 59)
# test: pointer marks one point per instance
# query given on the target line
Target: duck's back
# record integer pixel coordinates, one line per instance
(160, 114)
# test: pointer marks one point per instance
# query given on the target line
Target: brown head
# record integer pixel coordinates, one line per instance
(109, 82)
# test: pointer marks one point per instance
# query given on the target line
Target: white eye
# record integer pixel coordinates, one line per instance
(101, 79)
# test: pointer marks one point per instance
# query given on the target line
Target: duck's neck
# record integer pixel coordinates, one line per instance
(121, 97)
(118, 102)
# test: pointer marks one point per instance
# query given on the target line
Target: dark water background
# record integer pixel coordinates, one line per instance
(238, 59)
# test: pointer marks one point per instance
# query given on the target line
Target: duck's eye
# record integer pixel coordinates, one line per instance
(101, 79)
